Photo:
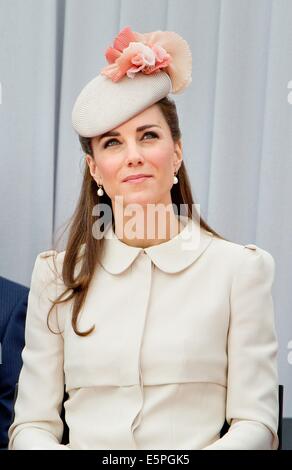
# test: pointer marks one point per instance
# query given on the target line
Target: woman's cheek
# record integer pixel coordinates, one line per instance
(164, 165)
(109, 171)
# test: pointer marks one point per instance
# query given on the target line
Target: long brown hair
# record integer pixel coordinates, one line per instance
(80, 224)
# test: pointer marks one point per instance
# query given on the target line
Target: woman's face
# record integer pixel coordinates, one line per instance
(132, 151)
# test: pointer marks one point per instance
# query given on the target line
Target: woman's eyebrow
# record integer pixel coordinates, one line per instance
(115, 133)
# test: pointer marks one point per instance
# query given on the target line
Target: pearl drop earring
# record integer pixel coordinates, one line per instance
(175, 180)
(100, 191)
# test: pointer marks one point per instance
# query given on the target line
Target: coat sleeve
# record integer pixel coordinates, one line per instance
(37, 423)
(252, 387)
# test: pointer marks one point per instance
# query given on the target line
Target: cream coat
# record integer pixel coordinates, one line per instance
(184, 337)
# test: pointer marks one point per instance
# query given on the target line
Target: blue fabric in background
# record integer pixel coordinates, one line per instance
(13, 307)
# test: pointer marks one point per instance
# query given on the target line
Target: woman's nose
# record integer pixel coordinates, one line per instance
(134, 154)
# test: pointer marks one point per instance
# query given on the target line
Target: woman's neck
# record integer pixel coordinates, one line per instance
(147, 227)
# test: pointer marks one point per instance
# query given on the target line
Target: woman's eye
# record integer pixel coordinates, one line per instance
(111, 140)
(153, 134)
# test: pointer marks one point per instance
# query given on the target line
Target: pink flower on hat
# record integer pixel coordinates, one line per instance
(130, 56)
(134, 52)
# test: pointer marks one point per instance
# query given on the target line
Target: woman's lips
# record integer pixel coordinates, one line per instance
(138, 180)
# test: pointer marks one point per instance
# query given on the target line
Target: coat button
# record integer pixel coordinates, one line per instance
(251, 246)
(46, 254)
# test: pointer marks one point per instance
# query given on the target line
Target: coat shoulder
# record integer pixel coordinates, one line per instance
(48, 265)
(55, 259)
(47, 253)
(237, 252)
(52, 254)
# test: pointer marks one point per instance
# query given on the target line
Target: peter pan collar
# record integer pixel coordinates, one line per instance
(171, 256)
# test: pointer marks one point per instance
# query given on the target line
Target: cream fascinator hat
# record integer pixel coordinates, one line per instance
(143, 68)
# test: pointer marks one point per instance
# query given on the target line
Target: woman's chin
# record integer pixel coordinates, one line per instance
(141, 199)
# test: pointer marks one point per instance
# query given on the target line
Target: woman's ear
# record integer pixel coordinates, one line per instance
(91, 164)
(178, 154)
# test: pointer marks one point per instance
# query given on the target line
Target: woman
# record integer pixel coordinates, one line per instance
(158, 328)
